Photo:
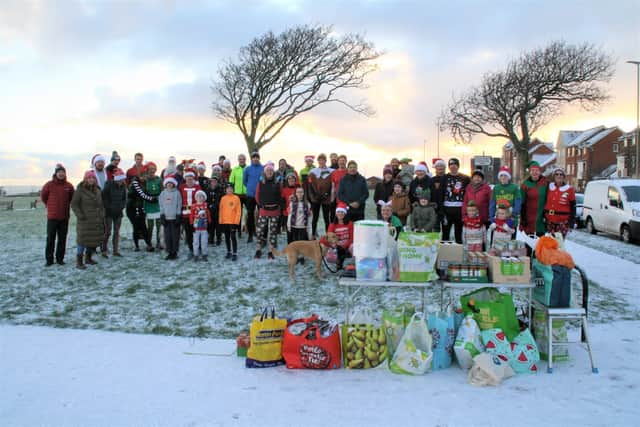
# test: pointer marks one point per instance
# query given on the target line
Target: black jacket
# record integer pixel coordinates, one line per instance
(114, 198)
(353, 188)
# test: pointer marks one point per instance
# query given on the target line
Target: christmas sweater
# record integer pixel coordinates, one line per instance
(509, 193)
(200, 216)
(473, 233)
(455, 186)
(561, 204)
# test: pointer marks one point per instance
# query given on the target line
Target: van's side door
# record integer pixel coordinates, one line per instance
(613, 211)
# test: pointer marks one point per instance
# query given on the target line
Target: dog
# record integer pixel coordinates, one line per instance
(310, 249)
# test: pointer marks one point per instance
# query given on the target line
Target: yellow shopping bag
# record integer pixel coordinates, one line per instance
(266, 334)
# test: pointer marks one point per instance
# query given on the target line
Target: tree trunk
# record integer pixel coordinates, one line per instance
(523, 157)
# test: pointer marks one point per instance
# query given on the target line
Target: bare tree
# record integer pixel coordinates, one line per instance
(278, 77)
(516, 102)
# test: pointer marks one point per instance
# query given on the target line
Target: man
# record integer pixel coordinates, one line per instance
(236, 180)
(98, 162)
(438, 183)
(170, 169)
(250, 178)
(321, 193)
(225, 173)
(455, 186)
(354, 192)
(114, 200)
(56, 196)
(336, 177)
(333, 158)
(419, 184)
(113, 166)
(188, 192)
(137, 168)
(221, 160)
(395, 167)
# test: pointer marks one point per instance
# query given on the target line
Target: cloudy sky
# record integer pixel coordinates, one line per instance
(79, 77)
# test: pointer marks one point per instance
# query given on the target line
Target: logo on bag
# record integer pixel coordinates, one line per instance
(269, 334)
(314, 357)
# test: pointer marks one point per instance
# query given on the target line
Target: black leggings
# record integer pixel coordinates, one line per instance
(230, 240)
(453, 216)
(315, 208)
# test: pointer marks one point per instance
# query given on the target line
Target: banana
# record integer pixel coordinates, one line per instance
(367, 364)
(382, 339)
(359, 343)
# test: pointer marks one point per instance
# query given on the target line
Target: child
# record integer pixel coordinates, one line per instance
(424, 218)
(153, 187)
(473, 230)
(230, 213)
(299, 219)
(502, 227)
(214, 194)
(507, 193)
(170, 211)
(400, 204)
(200, 218)
(343, 229)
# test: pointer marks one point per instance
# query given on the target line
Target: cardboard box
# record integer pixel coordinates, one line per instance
(496, 271)
(449, 252)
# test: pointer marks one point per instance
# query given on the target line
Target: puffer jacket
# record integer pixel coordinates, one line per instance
(114, 198)
(87, 206)
(56, 196)
(424, 218)
(401, 206)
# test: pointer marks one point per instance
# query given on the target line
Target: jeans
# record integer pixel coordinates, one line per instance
(56, 228)
(172, 236)
(453, 216)
(188, 232)
(110, 223)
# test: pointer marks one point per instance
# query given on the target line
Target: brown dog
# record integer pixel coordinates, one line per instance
(310, 249)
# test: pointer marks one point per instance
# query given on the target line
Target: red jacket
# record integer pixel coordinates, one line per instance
(133, 171)
(188, 198)
(561, 203)
(286, 192)
(482, 198)
(56, 196)
(336, 176)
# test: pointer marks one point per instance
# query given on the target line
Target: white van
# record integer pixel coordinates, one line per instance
(613, 206)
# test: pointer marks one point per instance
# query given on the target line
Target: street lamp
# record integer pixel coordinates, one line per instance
(637, 64)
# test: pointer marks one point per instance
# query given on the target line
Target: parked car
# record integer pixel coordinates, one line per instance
(579, 205)
(613, 206)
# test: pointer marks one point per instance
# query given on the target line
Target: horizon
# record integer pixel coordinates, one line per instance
(83, 77)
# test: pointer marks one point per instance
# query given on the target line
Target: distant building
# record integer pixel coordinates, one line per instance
(541, 152)
(590, 154)
(625, 151)
(488, 165)
(372, 181)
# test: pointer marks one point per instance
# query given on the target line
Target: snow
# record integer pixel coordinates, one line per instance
(585, 135)
(69, 377)
(544, 159)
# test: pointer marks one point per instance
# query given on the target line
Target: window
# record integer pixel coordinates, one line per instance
(615, 148)
(614, 198)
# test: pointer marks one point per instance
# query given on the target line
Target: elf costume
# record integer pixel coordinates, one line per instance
(509, 193)
(534, 196)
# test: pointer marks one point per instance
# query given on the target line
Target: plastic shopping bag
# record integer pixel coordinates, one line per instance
(541, 333)
(413, 355)
(525, 354)
(492, 309)
(488, 370)
(496, 344)
(418, 253)
(312, 343)
(442, 329)
(468, 343)
(364, 342)
(394, 323)
(266, 334)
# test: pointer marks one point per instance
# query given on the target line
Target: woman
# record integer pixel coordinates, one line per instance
(153, 187)
(480, 193)
(343, 229)
(534, 197)
(287, 192)
(384, 189)
(560, 207)
(88, 208)
(269, 202)
(321, 193)
(136, 214)
(394, 222)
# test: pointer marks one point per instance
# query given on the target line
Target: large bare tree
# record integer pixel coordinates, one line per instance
(515, 102)
(277, 77)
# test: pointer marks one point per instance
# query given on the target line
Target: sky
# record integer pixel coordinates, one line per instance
(80, 77)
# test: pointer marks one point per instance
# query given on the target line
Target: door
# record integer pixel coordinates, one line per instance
(613, 211)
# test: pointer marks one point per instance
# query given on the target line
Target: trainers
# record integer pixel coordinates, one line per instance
(250, 239)
(49, 264)
(196, 258)
(205, 258)
(270, 256)
(61, 262)
(258, 254)
(190, 256)
(234, 257)
(228, 255)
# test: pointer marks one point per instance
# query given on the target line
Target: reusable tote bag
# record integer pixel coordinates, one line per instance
(492, 309)
(413, 355)
(312, 343)
(364, 343)
(417, 254)
(394, 322)
(266, 334)
(443, 333)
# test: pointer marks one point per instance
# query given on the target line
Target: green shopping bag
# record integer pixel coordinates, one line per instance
(394, 323)
(492, 309)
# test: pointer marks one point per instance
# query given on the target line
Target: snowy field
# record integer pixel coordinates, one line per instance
(93, 377)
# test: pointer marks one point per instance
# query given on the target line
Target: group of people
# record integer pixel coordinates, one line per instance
(183, 203)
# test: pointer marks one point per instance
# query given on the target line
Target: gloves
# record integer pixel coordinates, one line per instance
(492, 226)
(163, 220)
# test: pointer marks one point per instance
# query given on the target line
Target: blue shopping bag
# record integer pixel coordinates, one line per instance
(443, 332)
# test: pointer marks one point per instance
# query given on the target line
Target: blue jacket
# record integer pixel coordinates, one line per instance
(251, 177)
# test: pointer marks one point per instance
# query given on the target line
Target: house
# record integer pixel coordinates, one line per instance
(626, 154)
(541, 152)
(590, 154)
(372, 181)
(564, 138)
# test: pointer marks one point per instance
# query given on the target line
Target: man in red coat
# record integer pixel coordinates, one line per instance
(137, 168)
(188, 192)
(56, 196)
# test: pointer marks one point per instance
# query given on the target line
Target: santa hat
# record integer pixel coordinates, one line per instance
(97, 158)
(558, 169)
(504, 170)
(437, 161)
(216, 168)
(342, 207)
(201, 166)
(170, 179)
(189, 172)
(59, 167)
(201, 193)
(503, 204)
(420, 167)
(172, 159)
(88, 174)
(119, 175)
(309, 157)
(149, 164)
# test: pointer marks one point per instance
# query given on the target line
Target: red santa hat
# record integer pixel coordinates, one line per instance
(309, 157)
(149, 164)
(201, 166)
(341, 207)
(98, 158)
(437, 161)
(119, 175)
(170, 179)
(189, 172)
(201, 193)
(504, 170)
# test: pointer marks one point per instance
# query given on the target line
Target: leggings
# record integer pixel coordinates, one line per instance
(268, 225)
(158, 226)
(230, 240)
(453, 216)
(315, 208)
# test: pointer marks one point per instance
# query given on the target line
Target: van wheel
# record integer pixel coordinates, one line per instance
(625, 234)
(590, 227)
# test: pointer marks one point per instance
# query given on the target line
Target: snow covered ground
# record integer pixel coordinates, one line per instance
(64, 377)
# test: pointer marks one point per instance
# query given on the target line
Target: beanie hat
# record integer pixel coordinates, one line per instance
(421, 168)
(255, 154)
(478, 172)
(170, 179)
(471, 204)
(97, 158)
(201, 166)
(423, 194)
(189, 172)
(387, 170)
(119, 175)
(436, 161)
(405, 160)
(455, 161)
(89, 173)
(504, 170)
(149, 164)
(59, 167)
(115, 156)
(201, 193)
(341, 207)
(290, 175)
(533, 165)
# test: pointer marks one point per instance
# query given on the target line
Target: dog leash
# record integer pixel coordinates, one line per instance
(324, 260)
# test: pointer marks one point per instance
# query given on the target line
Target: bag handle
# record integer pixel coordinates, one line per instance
(265, 312)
